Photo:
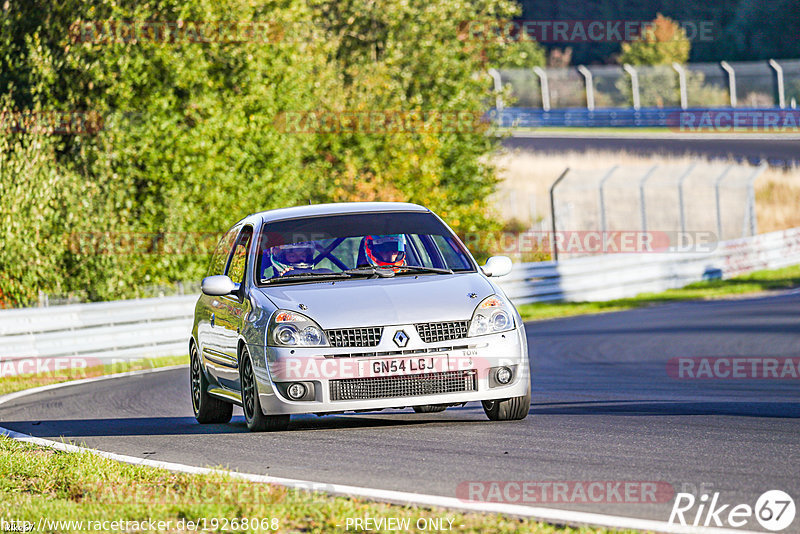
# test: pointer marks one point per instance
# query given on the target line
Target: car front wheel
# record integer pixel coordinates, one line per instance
(256, 420)
(512, 409)
(207, 409)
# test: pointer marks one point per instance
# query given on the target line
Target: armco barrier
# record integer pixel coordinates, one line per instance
(584, 118)
(678, 120)
(98, 332)
(132, 329)
(595, 278)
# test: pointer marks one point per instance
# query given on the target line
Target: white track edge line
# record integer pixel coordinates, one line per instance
(374, 494)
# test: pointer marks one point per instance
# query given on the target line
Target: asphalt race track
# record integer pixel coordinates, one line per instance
(777, 152)
(604, 409)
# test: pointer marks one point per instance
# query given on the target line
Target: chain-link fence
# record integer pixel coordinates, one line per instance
(658, 207)
(736, 84)
(673, 206)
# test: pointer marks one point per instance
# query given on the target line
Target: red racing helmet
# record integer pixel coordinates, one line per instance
(385, 250)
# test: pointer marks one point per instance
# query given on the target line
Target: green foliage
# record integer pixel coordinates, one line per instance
(660, 45)
(663, 43)
(703, 94)
(658, 86)
(190, 139)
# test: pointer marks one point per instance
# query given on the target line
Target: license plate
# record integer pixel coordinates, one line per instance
(403, 366)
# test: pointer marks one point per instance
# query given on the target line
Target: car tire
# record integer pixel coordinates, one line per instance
(207, 409)
(430, 408)
(251, 406)
(513, 409)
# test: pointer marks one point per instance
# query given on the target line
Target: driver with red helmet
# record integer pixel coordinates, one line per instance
(385, 250)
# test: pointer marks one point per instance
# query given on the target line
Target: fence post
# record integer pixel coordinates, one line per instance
(603, 200)
(781, 91)
(750, 213)
(634, 85)
(680, 197)
(731, 81)
(682, 84)
(498, 89)
(642, 183)
(717, 184)
(545, 87)
(553, 212)
(587, 76)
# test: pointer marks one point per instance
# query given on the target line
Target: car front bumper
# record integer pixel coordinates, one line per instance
(363, 379)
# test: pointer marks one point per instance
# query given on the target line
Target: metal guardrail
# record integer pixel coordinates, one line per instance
(133, 329)
(597, 278)
(97, 332)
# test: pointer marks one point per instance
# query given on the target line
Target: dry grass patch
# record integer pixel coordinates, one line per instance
(526, 177)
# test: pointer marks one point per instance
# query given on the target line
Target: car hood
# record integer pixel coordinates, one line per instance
(385, 301)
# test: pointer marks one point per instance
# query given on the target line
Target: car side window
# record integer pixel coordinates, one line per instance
(238, 262)
(219, 260)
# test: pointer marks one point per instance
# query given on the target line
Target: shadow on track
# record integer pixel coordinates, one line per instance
(166, 426)
(786, 410)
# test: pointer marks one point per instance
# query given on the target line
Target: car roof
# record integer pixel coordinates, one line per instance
(314, 210)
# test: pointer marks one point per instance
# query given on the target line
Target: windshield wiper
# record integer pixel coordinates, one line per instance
(420, 269)
(299, 277)
(369, 270)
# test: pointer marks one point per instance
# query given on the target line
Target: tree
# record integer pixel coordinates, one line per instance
(664, 42)
(660, 45)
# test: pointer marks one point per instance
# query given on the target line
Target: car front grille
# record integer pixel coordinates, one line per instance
(355, 337)
(434, 332)
(403, 386)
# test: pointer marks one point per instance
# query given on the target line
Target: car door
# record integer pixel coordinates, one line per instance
(232, 310)
(210, 337)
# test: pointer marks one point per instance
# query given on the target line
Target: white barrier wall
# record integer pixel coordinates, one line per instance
(611, 276)
(33, 339)
(83, 335)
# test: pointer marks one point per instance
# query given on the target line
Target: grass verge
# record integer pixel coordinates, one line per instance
(42, 487)
(748, 284)
(10, 384)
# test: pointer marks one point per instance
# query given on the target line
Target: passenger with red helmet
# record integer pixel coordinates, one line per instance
(385, 250)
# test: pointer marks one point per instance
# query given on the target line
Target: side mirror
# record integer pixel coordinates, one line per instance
(217, 286)
(497, 266)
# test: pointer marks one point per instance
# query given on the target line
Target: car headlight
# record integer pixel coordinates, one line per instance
(292, 329)
(491, 316)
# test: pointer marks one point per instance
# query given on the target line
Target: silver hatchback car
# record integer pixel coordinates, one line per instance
(353, 307)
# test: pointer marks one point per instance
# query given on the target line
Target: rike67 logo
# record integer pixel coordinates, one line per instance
(774, 510)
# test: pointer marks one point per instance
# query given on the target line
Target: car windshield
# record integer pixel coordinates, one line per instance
(335, 245)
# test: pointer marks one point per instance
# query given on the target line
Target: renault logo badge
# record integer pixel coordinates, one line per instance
(400, 338)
